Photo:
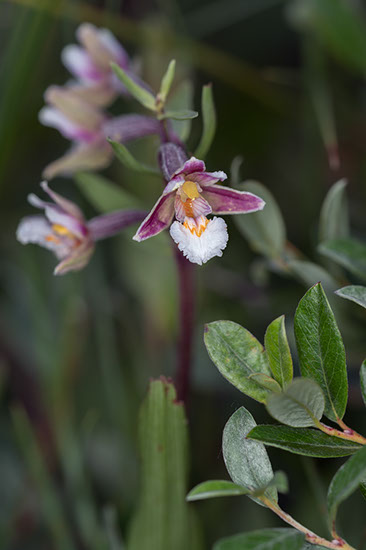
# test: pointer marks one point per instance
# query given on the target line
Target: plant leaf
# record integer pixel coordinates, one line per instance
(237, 354)
(209, 122)
(348, 253)
(246, 461)
(321, 351)
(103, 194)
(143, 96)
(303, 441)
(265, 539)
(163, 519)
(181, 99)
(278, 351)
(265, 381)
(216, 488)
(265, 230)
(333, 223)
(345, 482)
(128, 160)
(309, 273)
(187, 114)
(363, 489)
(300, 405)
(167, 81)
(354, 293)
(363, 381)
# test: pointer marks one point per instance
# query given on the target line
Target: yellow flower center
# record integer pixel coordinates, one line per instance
(62, 231)
(189, 191)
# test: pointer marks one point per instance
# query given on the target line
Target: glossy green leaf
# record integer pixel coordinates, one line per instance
(209, 122)
(321, 351)
(348, 253)
(300, 405)
(354, 293)
(104, 195)
(143, 96)
(163, 519)
(334, 222)
(167, 81)
(264, 230)
(265, 539)
(246, 461)
(216, 488)
(187, 114)
(265, 381)
(303, 441)
(363, 381)
(340, 26)
(128, 160)
(345, 482)
(278, 351)
(309, 273)
(237, 354)
(279, 482)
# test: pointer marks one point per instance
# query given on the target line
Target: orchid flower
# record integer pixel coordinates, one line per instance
(88, 127)
(190, 195)
(90, 61)
(64, 230)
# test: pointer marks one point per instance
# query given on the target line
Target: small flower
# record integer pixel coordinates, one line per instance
(64, 230)
(88, 127)
(191, 194)
(90, 61)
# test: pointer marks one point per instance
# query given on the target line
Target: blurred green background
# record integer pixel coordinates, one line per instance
(77, 352)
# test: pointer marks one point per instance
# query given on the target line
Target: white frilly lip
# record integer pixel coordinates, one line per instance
(200, 249)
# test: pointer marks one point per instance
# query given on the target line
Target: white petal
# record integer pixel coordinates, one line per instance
(36, 229)
(199, 250)
(48, 116)
(80, 64)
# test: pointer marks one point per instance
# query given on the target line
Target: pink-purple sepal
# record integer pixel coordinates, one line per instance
(224, 200)
(158, 219)
(110, 224)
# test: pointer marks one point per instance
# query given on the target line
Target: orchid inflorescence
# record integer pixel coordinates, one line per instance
(102, 71)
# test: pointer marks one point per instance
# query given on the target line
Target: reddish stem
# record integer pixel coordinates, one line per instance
(186, 299)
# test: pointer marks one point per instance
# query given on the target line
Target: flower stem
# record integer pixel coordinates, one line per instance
(311, 537)
(186, 299)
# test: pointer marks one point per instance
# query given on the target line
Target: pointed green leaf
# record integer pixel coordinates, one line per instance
(334, 222)
(179, 100)
(321, 351)
(103, 194)
(209, 122)
(128, 160)
(354, 293)
(265, 230)
(143, 96)
(187, 114)
(163, 519)
(265, 539)
(167, 80)
(363, 381)
(303, 441)
(216, 488)
(348, 253)
(278, 351)
(363, 489)
(237, 354)
(246, 461)
(345, 482)
(300, 405)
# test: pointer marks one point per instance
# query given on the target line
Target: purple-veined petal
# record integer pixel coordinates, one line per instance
(56, 215)
(110, 42)
(80, 64)
(190, 166)
(68, 206)
(171, 158)
(200, 249)
(224, 200)
(129, 127)
(80, 157)
(191, 208)
(77, 259)
(174, 184)
(159, 218)
(110, 224)
(207, 178)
